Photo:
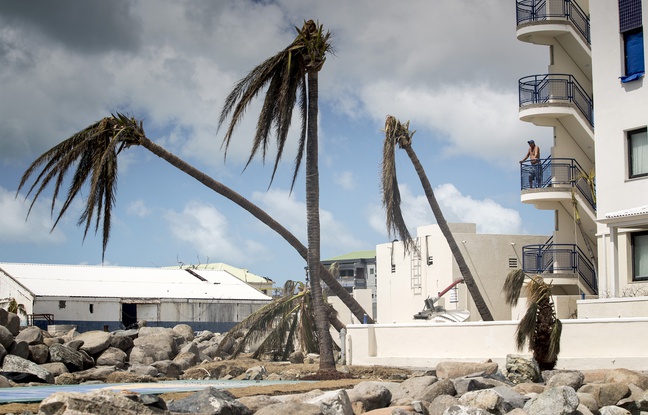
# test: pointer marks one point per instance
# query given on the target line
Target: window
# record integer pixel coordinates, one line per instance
(638, 153)
(631, 29)
(640, 256)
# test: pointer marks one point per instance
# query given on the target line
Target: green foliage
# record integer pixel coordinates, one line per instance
(13, 306)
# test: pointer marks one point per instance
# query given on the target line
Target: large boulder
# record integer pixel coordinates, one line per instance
(112, 356)
(606, 393)
(31, 336)
(6, 338)
(13, 323)
(366, 396)
(521, 369)
(153, 347)
(39, 353)
(72, 359)
(452, 370)
(19, 348)
(94, 342)
(13, 363)
(185, 331)
(102, 402)
(210, 401)
(561, 400)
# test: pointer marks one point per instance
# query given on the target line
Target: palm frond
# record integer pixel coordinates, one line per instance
(513, 286)
(92, 154)
(391, 199)
(526, 328)
(554, 341)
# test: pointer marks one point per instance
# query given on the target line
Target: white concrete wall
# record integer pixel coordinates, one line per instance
(362, 296)
(613, 308)
(585, 344)
(487, 257)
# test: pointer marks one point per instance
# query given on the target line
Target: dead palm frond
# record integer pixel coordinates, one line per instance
(513, 286)
(92, 155)
(14, 306)
(396, 134)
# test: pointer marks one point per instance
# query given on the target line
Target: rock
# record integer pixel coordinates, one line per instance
(512, 399)
(583, 410)
(72, 359)
(6, 338)
(20, 349)
(127, 377)
(465, 410)
(520, 369)
(296, 357)
(487, 399)
(335, 402)
(3, 352)
(442, 402)
(561, 400)
(410, 388)
(588, 401)
(112, 356)
(468, 384)
(167, 368)
(38, 353)
(13, 363)
(613, 410)
(185, 331)
(55, 368)
(13, 323)
(255, 373)
(209, 401)
(394, 410)
(95, 341)
(30, 335)
(145, 370)
(442, 387)
(606, 393)
(186, 360)
(289, 408)
(4, 383)
(3, 317)
(153, 347)
(452, 370)
(101, 402)
(627, 377)
(366, 396)
(254, 403)
(121, 342)
(95, 373)
(572, 378)
(526, 388)
(74, 344)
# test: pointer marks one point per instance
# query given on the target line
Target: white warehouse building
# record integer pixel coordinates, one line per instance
(110, 298)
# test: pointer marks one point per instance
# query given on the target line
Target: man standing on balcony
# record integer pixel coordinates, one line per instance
(534, 156)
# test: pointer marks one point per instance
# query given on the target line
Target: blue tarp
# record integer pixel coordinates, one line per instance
(635, 67)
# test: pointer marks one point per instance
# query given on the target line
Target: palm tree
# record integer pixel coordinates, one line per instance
(539, 327)
(280, 327)
(94, 150)
(13, 306)
(399, 134)
(291, 78)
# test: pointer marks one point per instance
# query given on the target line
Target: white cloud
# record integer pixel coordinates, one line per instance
(490, 217)
(345, 179)
(207, 230)
(138, 208)
(15, 228)
(291, 214)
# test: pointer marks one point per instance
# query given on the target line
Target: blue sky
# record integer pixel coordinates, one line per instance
(449, 66)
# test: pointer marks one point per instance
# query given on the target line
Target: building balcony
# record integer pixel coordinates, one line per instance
(557, 175)
(546, 22)
(565, 265)
(552, 99)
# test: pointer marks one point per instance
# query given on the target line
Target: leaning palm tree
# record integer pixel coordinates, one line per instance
(92, 155)
(280, 327)
(290, 78)
(399, 134)
(539, 327)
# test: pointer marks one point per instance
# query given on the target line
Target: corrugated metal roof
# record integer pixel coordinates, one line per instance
(240, 273)
(128, 282)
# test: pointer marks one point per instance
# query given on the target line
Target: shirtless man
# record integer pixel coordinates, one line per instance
(534, 155)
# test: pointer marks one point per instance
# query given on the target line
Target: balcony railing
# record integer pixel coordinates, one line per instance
(538, 10)
(557, 172)
(555, 88)
(559, 258)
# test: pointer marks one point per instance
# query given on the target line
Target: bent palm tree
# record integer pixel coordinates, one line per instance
(539, 327)
(291, 78)
(282, 326)
(399, 134)
(94, 152)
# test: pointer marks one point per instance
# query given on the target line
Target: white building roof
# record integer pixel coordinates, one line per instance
(128, 282)
(627, 216)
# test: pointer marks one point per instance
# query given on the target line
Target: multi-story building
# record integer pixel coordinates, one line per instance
(356, 271)
(599, 245)
(561, 99)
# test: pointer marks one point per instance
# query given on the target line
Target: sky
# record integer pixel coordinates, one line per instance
(450, 67)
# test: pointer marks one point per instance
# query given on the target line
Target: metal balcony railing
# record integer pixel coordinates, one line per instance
(555, 88)
(543, 10)
(557, 172)
(559, 258)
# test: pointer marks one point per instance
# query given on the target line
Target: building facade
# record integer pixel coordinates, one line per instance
(599, 247)
(407, 279)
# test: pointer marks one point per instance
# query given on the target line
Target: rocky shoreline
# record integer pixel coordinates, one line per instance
(32, 357)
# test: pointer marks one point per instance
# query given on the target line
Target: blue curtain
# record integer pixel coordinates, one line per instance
(635, 67)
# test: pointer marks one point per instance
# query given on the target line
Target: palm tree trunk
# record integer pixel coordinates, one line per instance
(484, 312)
(327, 360)
(258, 213)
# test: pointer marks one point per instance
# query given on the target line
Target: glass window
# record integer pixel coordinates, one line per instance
(640, 256)
(638, 153)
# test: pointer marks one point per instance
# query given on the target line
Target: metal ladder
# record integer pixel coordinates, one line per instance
(415, 283)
